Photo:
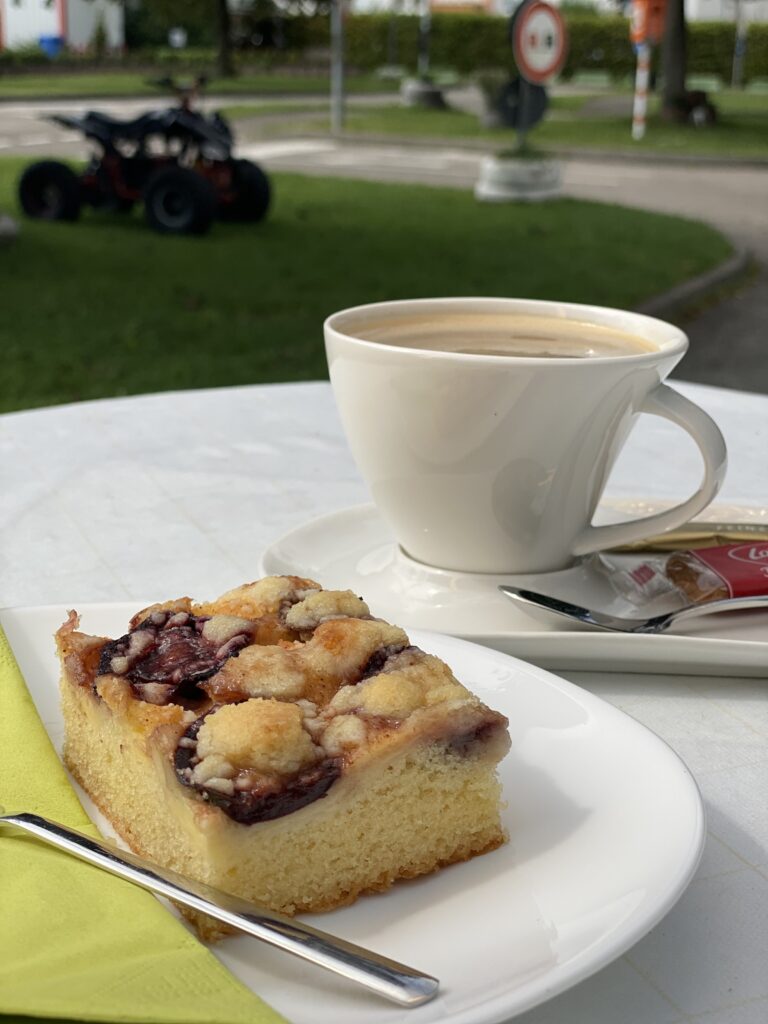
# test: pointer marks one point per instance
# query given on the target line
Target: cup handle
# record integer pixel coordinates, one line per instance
(671, 405)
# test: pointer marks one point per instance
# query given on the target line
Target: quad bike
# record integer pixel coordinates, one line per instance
(178, 162)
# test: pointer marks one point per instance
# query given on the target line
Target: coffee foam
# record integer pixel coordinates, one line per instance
(494, 334)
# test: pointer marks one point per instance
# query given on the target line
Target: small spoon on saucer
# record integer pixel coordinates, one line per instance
(618, 624)
(385, 977)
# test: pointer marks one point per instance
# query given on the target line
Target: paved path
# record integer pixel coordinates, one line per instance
(23, 128)
(729, 340)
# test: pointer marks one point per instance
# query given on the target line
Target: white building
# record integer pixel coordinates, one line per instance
(696, 10)
(725, 10)
(24, 22)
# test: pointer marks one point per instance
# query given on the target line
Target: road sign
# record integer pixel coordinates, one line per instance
(521, 105)
(646, 23)
(539, 41)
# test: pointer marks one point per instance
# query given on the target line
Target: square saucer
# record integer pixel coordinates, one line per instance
(354, 548)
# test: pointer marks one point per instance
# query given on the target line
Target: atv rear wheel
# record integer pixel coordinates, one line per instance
(49, 190)
(179, 202)
(252, 193)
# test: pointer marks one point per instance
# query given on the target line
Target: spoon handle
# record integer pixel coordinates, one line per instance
(728, 604)
(619, 624)
(387, 978)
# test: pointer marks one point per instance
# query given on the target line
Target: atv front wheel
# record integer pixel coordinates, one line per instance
(179, 202)
(49, 190)
(252, 193)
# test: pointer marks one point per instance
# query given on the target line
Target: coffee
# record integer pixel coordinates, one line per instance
(491, 334)
(487, 464)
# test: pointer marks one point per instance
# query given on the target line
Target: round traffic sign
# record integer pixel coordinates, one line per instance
(539, 41)
(521, 105)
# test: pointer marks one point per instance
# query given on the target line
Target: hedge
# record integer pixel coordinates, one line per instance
(468, 43)
(463, 42)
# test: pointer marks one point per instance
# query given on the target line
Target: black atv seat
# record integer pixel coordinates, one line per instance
(113, 127)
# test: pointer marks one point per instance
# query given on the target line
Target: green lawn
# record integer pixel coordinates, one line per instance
(105, 307)
(563, 105)
(736, 135)
(741, 131)
(119, 83)
(240, 111)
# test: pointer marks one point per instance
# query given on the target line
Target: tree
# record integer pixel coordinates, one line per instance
(147, 24)
(674, 54)
(225, 66)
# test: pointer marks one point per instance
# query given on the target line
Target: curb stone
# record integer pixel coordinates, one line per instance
(599, 155)
(695, 288)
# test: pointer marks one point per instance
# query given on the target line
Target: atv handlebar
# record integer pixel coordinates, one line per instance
(185, 92)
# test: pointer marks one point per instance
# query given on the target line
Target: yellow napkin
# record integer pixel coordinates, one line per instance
(75, 942)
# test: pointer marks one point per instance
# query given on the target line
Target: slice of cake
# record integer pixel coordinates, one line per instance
(282, 744)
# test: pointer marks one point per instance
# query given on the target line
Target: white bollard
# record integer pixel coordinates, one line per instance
(642, 77)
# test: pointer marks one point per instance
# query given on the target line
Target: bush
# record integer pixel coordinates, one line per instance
(599, 44)
(466, 43)
(192, 58)
(99, 44)
(710, 49)
(470, 42)
(756, 61)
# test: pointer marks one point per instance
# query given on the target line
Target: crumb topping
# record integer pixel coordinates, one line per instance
(255, 760)
(323, 605)
(265, 735)
(221, 629)
(338, 652)
(408, 682)
(343, 734)
(290, 684)
(259, 672)
(273, 595)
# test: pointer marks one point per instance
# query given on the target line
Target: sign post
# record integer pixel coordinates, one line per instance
(539, 46)
(425, 29)
(640, 102)
(337, 67)
(539, 43)
(646, 27)
(740, 46)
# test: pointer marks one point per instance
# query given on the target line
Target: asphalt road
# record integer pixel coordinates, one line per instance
(729, 338)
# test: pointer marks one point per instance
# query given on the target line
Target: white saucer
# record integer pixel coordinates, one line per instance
(354, 549)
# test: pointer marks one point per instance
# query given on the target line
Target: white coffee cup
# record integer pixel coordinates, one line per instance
(496, 463)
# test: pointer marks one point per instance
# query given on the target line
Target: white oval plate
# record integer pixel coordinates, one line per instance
(354, 548)
(606, 829)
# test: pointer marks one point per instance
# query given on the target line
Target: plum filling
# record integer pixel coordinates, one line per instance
(384, 659)
(168, 654)
(262, 798)
(470, 741)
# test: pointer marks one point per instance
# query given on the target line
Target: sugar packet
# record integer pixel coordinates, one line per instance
(690, 577)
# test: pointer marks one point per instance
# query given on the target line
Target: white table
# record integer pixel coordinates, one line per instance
(144, 498)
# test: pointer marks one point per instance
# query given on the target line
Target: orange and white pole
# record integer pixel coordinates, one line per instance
(642, 78)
